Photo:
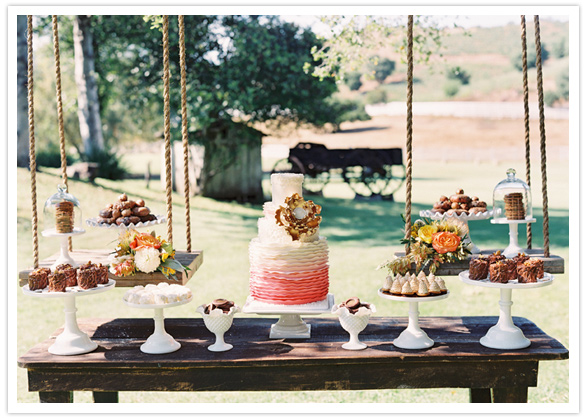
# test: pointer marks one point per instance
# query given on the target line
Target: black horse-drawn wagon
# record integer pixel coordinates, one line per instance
(370, 172)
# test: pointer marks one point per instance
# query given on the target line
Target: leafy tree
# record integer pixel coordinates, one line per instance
(516, 59)
(353, 80)
(457, 73)
(561, 48)
(451, 88)
(381, 68)
(378, 95)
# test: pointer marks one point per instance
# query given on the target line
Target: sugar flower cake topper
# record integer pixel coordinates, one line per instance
(299, 217)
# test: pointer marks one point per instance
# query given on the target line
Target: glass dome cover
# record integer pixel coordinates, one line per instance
(62, 212)
(512, 200)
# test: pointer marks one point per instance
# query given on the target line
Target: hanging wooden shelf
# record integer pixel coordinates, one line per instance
(192, 259)
(553, 264)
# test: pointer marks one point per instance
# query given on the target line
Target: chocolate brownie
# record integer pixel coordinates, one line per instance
(478, 268)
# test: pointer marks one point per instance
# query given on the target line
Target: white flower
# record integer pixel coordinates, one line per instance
(147, 259)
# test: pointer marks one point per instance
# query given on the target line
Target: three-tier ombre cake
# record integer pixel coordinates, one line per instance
(289, 258)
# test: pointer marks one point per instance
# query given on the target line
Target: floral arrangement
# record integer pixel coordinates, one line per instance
(145, 252)
(431, 243)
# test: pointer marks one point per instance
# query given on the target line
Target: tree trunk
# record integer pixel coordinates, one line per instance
(22, 119)
(87, 89)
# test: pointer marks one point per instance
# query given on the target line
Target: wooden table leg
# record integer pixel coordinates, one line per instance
(518, 394)
(56, 397)
(105, 397)
(477, 395)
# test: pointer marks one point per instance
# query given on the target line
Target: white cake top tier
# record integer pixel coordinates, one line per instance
(284, 185)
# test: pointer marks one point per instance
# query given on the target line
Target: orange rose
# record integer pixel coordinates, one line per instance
(444, 242)
(145, 240)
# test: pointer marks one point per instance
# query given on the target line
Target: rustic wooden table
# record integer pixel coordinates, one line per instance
(256, 363)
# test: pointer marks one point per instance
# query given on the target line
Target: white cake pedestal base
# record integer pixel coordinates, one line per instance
(290, 323)
(513, 248)
(64, 257)
(505, 335)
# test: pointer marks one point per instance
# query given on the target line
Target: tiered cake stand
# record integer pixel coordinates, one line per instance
(505, 335)
(462, 219)
(160, 342)
(72, 340)
(413, 338)
(93, 222)
(513, 249)
(290, 324)
(64, 257)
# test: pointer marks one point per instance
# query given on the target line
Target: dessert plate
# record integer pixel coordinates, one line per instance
(463, 216)
(78, 291)
(93, 222)
(512, 284)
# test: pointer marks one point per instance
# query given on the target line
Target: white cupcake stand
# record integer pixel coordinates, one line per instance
(160, 342)
(462, 219)
(64, 257)
(513, 248)
(413, 337)
(72, 340)
(505, 335)
(290, 323)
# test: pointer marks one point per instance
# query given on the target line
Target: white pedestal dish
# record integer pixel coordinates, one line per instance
(354, 324)
(218, 323)
(160, 342)
(505, 335)
(94, 222)
(413, 337)
(64, 257)
(290, 324)
(72, 340)
(513, 248)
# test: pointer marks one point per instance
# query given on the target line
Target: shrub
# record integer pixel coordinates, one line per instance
(381, 68)
(562, 85)
(110, 165)
(50, 156)
(378, 95)
(353, 80)
(451, 88)
(346, 111)
(560, 49)
(516, 59)
(550, 97)
(457, 73)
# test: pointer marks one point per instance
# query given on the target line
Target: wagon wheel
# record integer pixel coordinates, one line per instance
(314, 180)
(370, 182)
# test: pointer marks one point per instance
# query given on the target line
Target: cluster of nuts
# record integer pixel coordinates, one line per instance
(126, 212)
(459, 203)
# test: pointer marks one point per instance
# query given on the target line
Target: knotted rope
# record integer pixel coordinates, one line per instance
(184, 132)
(32, 156)
(167, 127)
(60, 106)
(526, 119)
(542, 137)
(408, 212)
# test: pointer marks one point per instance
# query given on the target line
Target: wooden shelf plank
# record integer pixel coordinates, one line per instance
(193, 260)
(553, 264)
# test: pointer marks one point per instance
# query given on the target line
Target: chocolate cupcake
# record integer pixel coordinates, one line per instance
(39, 278)
(70, 274)
(520, 258)
(535, 264)
(528, 272)
(102, 274)
(478, 268)
(500, 272)
(57, 281)
(87, 278)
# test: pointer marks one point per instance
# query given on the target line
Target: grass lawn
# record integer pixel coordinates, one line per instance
(361, 234)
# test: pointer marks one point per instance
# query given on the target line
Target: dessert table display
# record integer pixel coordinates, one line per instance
(505, 335)
(72, 340)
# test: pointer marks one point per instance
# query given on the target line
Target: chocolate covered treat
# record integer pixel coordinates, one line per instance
(478, 268)
(521, 258)
(87, 277)
(222, 304)
(495, 257)
(353, 304)
(501, 271)
(70, 274)
(102, 274)
(528, 272)
(39, 278)
(57, 281)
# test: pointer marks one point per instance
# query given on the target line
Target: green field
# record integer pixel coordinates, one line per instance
(361, 234)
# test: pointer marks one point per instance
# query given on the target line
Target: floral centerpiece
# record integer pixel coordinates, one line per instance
(144, 252)
(431, 243)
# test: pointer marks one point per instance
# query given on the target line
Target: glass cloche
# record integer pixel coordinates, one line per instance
(62, 213)
(512, 200)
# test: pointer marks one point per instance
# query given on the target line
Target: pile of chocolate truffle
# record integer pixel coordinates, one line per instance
(86, 276)
(125, 212)
(459, 203)
(503, 270)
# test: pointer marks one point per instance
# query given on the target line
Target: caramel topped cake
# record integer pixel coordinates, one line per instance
(39, 278)
(478, 268)
(57, 281)
(70, 274)
(520, 258)
(87, 277)
(102, 272)
(495, 257)
(527, 272)
(500, 272)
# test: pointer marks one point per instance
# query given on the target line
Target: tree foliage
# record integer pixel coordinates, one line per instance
(381, 68)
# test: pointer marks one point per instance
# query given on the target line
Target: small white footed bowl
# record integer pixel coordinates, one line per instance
(354, 324)
(218, 323)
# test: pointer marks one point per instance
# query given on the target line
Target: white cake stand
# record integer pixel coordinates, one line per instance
(160, 342)
(463, 219)
(72, 340)
(505, 335)
(290, 324)
(413, 338)
(93, 222)
(64, 257)
(513, 249)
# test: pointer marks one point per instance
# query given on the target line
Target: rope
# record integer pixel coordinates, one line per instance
(184, 132)
(32, 157)
(168, 185)
(408, 214)
(526, 120)
(542, 137)
(60, 106)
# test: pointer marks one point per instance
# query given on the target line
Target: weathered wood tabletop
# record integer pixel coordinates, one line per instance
(256, 363)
